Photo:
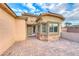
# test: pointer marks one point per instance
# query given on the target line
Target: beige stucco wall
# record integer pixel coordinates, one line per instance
(50, 19)
(31, 20)
(21, 30)
(11, 30)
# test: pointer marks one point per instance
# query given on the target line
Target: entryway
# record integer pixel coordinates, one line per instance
(31, 30)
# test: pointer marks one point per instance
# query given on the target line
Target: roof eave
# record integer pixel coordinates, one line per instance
(6, 8)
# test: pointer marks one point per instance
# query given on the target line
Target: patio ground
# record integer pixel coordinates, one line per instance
(34, 47)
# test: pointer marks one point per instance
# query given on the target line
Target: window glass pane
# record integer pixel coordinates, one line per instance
(55, 27)
(51, 27)
(44, 27)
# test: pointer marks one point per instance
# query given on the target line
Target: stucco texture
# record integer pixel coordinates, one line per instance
(11, 30)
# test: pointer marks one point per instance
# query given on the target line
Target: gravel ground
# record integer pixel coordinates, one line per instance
(34, 47)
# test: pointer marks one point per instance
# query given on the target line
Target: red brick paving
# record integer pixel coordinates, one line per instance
(34, 47)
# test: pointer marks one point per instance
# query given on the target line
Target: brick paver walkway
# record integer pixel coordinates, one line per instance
(34, 47)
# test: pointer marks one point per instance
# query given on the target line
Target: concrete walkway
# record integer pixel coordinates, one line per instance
(34, 47)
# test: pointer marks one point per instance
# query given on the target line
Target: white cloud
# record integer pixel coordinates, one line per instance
(30, 6)
(60, 8)
(40, 4)
(76, 4)
(57, 8)
(17, 10)
(52, 6)
(59, 4)
(25, 10)
(62, 11)
(19, 14)
(75, 12)
(14, 9)
(70, 15)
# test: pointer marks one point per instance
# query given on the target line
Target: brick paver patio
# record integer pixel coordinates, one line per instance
(34, 47)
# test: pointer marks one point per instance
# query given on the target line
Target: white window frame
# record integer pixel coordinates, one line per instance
(53, 27)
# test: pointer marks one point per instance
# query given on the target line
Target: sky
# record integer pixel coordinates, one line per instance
(69, 10)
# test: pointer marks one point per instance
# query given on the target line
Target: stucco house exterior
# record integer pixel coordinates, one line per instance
(46, 26)
(13, 28)
(50, 26)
